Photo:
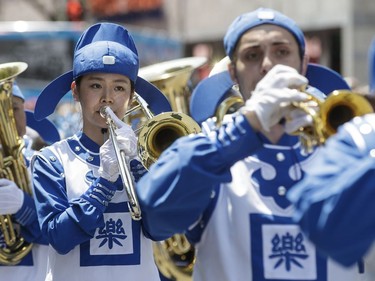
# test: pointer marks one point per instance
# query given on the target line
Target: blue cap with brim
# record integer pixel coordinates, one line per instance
(325, 79)
(51, 95)
(208, 94)
(16, 91)
(260, 16)
(108, 48)
(45, 128)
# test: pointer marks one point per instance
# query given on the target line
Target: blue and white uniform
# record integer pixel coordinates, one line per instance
(226, 192)
(85, 217)
(33, 266)
(87, 238)
(334, 202)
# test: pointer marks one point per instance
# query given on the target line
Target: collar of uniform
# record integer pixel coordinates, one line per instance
(85, 148)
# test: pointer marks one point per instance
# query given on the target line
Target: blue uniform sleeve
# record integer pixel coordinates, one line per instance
(28, 221)
(178, 187)
(67, 223)
(334, 202)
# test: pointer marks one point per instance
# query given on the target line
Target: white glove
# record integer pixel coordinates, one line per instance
(127, 142)
(273, 96)
(282, 76)
(11, 197)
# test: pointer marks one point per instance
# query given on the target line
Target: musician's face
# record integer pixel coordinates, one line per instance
(258, 50)
(98, 89)
(19, 115)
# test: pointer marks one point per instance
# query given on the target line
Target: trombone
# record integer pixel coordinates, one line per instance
(154, 136)
(111, 120)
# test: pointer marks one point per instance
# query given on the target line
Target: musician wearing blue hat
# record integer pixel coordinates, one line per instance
(80, 197)
(226, 189)
(14, 201)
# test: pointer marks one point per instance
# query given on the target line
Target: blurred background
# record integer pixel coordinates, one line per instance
(43, 33)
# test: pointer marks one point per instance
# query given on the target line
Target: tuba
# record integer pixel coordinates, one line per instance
(172, 79)
(12, 164)
(339, 107)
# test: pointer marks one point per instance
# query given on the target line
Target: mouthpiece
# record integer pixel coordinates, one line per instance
(107, 113)
(103, 111)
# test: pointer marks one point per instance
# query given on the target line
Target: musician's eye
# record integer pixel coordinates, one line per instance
(282, 52)
(16, 109)
(120, 88)
(96, 86)
(252, 55)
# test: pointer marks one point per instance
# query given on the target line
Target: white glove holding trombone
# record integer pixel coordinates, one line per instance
(127, 142)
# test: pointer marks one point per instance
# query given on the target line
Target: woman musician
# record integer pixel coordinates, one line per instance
(80, 198)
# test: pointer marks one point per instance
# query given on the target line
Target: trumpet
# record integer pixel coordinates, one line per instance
(327, 115)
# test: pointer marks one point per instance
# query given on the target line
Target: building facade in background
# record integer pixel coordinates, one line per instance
(338, 32)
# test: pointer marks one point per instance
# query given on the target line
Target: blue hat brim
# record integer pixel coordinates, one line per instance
(325, 79)
(208, 94)
(156, 100)
(45, 128)
(52, 94)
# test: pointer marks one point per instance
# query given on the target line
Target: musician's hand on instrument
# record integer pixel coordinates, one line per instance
(282, 76)
(274, 94)
(296, 119)
(108, 162)
(11, 197)
(127, 141)
(271, 105)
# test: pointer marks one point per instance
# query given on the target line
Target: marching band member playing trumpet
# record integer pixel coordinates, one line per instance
(226, 189)
(80, 198)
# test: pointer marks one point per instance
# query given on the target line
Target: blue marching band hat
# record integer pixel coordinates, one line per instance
(108, 48)
(45, 128)
(208, 94)
(258, 17)
(325, 79)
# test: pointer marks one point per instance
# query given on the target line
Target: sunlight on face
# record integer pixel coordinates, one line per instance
(258, 50)
(98, 89)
